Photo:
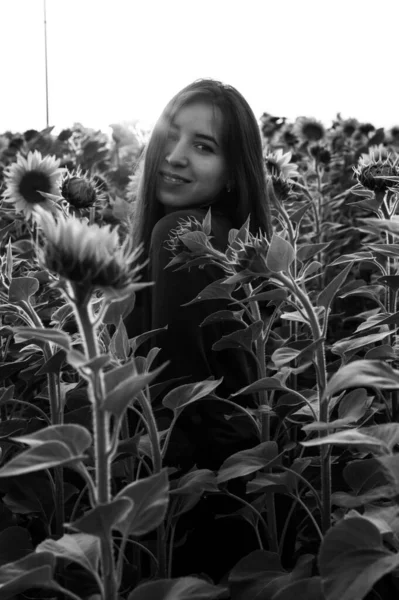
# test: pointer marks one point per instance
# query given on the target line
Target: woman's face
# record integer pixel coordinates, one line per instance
(193, 170)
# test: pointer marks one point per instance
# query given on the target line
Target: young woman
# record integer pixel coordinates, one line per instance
(205, 151)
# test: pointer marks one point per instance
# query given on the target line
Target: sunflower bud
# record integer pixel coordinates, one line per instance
(189, 224)
(79, 191)
(251, 256)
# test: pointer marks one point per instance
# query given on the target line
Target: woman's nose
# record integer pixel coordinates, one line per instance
(176, 155)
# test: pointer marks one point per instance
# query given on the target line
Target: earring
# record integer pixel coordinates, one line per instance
(228, 188)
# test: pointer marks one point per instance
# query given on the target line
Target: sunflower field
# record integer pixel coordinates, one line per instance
(88, 509)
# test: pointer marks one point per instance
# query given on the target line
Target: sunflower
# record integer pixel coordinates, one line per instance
(281, 172)
(309, 129)
(278, 164)
(250, 255)
(80, 190)
(88, 256)
(378, 170)
(32, 181)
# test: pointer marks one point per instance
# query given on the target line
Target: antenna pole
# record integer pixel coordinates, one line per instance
(45, 60)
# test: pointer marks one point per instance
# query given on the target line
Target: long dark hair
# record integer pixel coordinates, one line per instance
(242, 147)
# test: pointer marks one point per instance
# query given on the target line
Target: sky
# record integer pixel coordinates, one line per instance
(113, 61)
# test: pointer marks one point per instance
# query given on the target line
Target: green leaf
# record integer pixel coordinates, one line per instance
(119, 344)
(119, 309)
(53, 364)
(242, 338)
(248, 461)
(303, 589)
(46, 456)
(283, 356)
(327, 295)
(53, 336)
(382, 352)
(306, 251)
(389, 225)
(352, 559)
(186, 394)
(190, 488)
(363, 373)
(383, 492)
(354, 405)
(391, 467)
(378, 320)
(214, 291)
(388, 433)
(254, 575)
(123, 394)
(22, 288)
(207, 222)
(32, 571)
(237, 235)
(364, 474)
(357, 256)
(391, 250)
(137, 341)
(195, 241)
(197, 481)
(184, 588)
(266, 383)
(298, 215)
(364, 291)
(75, 437)
(273, 296)
(352, 437)
(223, 315)
(103, 518)
(272, 482)
(149, 498)
(280, 255)
(15, 543)
(79, 362)
(114, 377)
(310, 269)
(349, 345)
(81, 548)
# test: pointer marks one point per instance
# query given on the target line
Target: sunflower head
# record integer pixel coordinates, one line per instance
(80, 190)
(349, 126)
(378, 170)
(88, 256)
(281, 172)
(278, 164)
(309, 129)
(366, 128)
(320, 153)
(31, 181)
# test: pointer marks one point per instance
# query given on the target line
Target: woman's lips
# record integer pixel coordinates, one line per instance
(173, 178)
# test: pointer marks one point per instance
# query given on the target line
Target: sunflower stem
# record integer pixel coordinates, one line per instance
(84, 318)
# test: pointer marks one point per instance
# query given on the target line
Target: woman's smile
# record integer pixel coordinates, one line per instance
(173, 178)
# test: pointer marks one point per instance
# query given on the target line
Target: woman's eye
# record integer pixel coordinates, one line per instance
(204, 148)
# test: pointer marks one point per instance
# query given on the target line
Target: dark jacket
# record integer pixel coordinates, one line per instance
(203, 436)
